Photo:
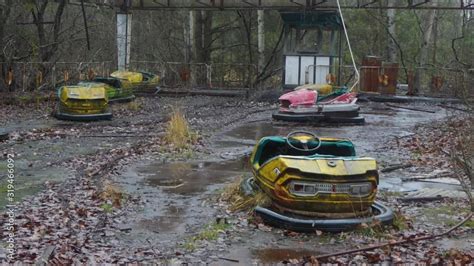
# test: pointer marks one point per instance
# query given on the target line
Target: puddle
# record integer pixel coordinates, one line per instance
(256, 131)
(276, 255)
(381, 123)
(166, 222)
(246, 255)
(188, 178)
(396, 185)
(175, 195)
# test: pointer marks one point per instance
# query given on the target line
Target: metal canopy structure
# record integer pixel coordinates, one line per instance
(124, 14)
(282, 4)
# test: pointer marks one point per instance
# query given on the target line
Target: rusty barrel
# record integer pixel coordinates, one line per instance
(369, 73)
(390, 72)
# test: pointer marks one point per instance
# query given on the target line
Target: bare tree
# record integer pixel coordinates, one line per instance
(391, 46)
(427, 38)
(5, 10)
(47, 46)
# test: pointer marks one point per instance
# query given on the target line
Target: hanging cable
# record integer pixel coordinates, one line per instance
(349, 45)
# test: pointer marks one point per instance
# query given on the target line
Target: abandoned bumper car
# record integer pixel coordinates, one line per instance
(86, 101)
(117, 91)
(319, 103)
(137, 80)
(314, 184)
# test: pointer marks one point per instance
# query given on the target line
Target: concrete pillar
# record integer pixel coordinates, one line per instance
(186, 36)
(192, 41)
(261, 39)
(124, 34)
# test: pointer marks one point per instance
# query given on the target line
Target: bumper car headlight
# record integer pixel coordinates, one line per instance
(300, 188)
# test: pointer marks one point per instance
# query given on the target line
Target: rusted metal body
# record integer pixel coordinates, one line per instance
(390, 73)
(369, 72)
(322, 178)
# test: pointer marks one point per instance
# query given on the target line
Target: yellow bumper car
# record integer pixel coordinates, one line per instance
(315, 183)
(86, 101)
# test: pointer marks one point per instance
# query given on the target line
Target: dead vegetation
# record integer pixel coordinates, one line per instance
(239, 202)
(462, 158)
(445, 146)
(112, 193)
(135, 105)
(178, 132)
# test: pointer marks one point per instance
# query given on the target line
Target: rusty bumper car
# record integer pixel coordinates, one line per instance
(315, 183)
(87, 101)
(117, 90)
(136, 79)
(319, 103)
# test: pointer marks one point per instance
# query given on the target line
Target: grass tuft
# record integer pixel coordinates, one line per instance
(400, 221)
(209, 233)
(107, 208)
(178, 131)
(239, 202)
(113, 194)
(374, 229)
(134, 105)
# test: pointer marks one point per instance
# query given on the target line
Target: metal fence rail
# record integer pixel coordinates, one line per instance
(429, 81)
(26, 76)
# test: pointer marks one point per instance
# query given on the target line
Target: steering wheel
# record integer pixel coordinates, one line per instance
(304, 143)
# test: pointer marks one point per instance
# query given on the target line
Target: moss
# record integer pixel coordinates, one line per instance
(400, 222)
(3, 189)
(444, 209)
(210, 233)
(24, 98)
(445, 214)
(468, 224)
(189, 246)
(107, 208)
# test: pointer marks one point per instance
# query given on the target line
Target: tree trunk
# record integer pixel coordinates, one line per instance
(193, 46)
(207, 36)
(427, 36)
(201, 28)
(391, 46)
(47, 46)
(192, 30)
(247, 25)
(47, 49)
(4, 15)
(187, 40)
(261, 40)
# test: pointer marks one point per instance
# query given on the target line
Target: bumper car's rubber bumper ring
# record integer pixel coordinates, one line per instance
(89, 117)
(309, 224)
(318, 117)
(385, 216)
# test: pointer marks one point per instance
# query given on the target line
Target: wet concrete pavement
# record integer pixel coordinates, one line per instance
(179, 197)
(177, 194)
